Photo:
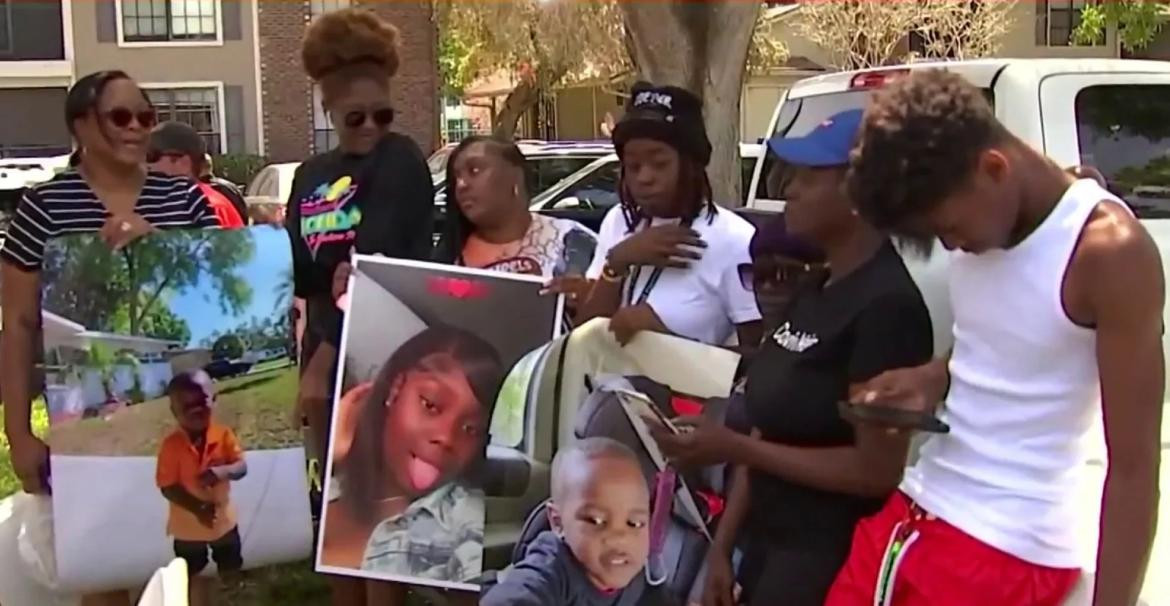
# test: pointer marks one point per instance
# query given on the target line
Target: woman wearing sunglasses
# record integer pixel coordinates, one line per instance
(803, 475)
(106, 189)
(782, 266)
(370, 195)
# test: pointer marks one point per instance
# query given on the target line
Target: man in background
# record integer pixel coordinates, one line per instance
(177, 150)
(230, 190)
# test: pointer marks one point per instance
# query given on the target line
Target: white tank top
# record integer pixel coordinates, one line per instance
(1024, 396)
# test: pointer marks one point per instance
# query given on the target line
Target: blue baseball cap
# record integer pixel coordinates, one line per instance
(826, 146)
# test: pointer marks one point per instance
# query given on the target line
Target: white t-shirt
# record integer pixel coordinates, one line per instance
(705, 301)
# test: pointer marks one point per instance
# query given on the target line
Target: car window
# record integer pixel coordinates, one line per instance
(437, 163)
(599, 190)
(544, 172)
(1124, 132)
(265, 184)
(747, 169)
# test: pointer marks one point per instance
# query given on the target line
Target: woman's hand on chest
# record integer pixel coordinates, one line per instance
(658, 246)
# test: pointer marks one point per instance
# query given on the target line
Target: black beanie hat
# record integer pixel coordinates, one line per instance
(668, 114)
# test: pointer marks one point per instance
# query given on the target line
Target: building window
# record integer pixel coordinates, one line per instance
(5, 26)
(457, 129)
(1056, 20)
(169, 20)
(320, 7)
(198, 107)
(324, 137)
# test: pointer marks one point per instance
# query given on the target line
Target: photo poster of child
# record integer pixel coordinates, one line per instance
(169, 385)
(424, 353)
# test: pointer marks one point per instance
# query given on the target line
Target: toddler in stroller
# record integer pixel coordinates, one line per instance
(600, 481)
(592, 545)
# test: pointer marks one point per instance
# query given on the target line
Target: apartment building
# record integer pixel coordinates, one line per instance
(230, 68)
(36, 68)
(196, 59)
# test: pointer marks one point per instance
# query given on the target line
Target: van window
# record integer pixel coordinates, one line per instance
(1124, 132)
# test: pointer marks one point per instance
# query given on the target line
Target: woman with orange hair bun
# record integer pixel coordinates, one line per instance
(370, 195)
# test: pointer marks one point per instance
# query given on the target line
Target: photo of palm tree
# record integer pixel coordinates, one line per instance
(118, 325)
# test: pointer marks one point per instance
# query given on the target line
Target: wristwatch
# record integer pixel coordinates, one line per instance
(609, 274)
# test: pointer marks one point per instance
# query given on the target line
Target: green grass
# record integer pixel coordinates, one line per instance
(294, 583)
(277, 586)
(256, 406)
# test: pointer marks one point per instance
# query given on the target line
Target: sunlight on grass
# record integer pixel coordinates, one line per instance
(256, 406)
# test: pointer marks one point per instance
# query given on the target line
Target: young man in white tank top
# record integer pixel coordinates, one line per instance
(1057, 292)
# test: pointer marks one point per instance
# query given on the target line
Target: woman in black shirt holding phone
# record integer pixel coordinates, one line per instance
(805, 476)
(371, 195)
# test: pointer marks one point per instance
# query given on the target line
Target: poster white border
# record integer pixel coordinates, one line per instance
(358, 260)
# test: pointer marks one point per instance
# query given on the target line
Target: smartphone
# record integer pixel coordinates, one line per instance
(893, 417)
(578, 252)
(649, 404)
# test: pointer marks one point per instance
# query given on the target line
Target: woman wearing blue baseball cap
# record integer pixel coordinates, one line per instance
(805, 476)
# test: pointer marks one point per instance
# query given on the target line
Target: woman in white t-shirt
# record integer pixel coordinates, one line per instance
(667, 257)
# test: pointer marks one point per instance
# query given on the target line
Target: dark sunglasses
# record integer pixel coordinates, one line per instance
(122, 117)
(785, 272)
(382, 118)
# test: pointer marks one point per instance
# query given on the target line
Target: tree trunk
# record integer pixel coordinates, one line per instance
(522, 98)
(701, 46)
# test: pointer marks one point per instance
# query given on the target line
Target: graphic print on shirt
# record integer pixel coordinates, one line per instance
(794, 340)
(550, 247)
(326, 217)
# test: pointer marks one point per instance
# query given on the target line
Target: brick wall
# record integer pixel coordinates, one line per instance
(288, 95)
(415, 89)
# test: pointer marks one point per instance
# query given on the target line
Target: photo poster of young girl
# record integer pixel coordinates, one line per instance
(169, 380)
(424, 352)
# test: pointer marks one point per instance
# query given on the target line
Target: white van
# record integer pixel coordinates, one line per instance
(1110, 114)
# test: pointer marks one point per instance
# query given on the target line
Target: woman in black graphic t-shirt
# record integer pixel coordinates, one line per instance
(371, 195)
(804, 476)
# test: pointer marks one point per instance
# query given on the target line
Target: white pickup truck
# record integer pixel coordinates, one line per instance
(1111, 114)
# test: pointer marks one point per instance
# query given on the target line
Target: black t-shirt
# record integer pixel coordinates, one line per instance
(871, 321)
(380, 203)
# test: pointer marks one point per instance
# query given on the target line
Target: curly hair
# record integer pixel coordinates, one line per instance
(349, 44)
(919, 142)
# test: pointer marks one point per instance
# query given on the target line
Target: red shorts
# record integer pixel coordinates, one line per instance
(941, 565)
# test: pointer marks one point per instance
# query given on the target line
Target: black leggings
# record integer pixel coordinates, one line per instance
(226, 551)
(796, 574)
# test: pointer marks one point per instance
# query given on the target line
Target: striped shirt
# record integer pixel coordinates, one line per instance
(67, 205)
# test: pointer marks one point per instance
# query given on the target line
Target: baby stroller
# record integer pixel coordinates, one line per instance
(591, 374)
